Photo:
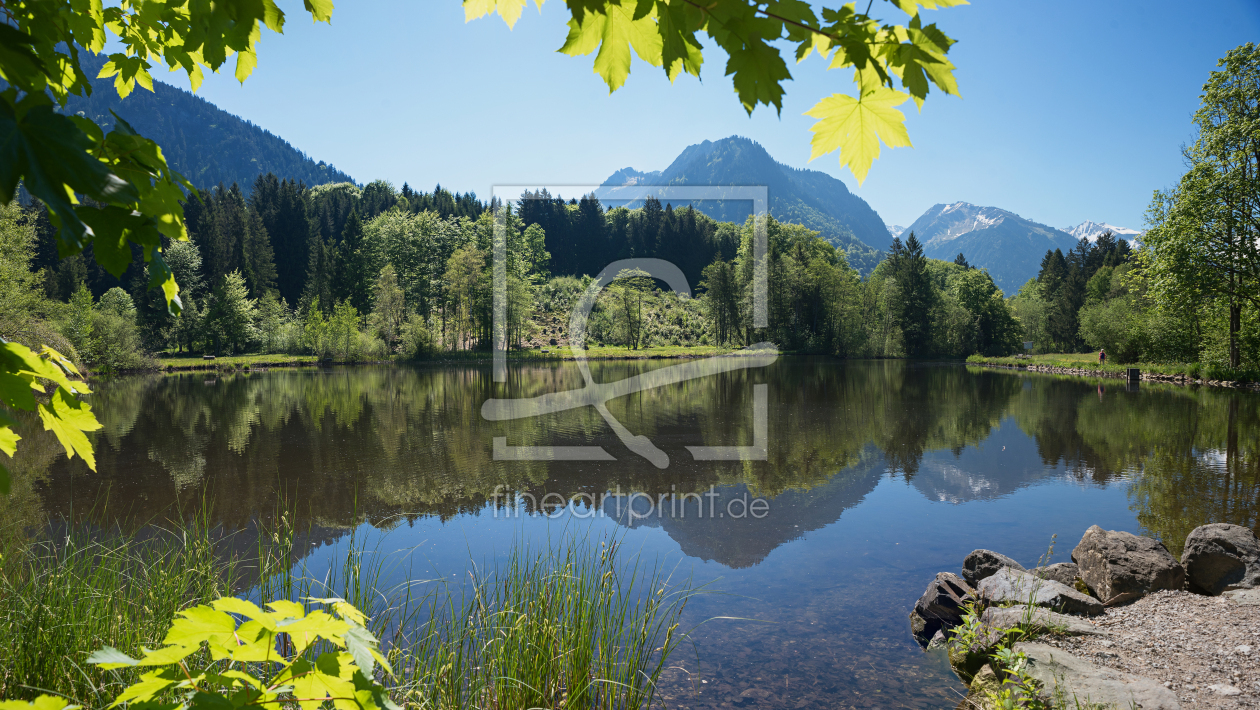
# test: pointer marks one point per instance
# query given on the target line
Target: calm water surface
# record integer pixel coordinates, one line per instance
(879, 474)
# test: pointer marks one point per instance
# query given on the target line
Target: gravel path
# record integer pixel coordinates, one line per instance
(1206, 649)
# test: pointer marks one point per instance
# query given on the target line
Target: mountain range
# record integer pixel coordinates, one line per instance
(209, 145)
(200, 140)
(1008, 245)
(807, 197)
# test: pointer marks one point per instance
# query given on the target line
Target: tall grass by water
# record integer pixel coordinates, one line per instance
(573, 623)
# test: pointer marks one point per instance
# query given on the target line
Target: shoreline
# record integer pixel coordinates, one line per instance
(1182, 379)
(252, 363)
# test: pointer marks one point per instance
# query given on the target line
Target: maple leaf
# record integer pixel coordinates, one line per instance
(855, 127)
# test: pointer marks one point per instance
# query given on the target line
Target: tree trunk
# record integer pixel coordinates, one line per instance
(1235, 325)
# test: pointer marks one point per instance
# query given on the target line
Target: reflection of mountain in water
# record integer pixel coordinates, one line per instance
(1003, 463)
(746, 540)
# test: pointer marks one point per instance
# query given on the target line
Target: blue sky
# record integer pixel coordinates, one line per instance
(1070, 110)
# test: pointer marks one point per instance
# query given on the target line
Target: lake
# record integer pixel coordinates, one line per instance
(874, 476)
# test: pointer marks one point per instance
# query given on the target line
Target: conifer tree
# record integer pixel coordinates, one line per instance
(258, 262)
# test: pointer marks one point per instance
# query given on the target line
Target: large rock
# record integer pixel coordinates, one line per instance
(1011, 586)
(1119, 567)
(1221, 557)
(1063, 572)
(1082, 684)
(1039, 619)
(985, 563)
(940, 607)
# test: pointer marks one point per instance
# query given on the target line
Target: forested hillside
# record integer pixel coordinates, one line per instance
(806, 197)
(202, 141)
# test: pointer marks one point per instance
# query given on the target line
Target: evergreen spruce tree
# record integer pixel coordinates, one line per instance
(258, 258)
(915, 298)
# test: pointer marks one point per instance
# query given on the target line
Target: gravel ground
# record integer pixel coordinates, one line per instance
(1206, 649)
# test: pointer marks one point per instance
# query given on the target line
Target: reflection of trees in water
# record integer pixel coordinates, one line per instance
(1191, 454)
(388, 444)
(356, 444)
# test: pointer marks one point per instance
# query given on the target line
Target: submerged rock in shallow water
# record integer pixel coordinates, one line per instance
(1074, 679)
(1010, 586)
(1221, 557)
(985, 563)
(1119, 567)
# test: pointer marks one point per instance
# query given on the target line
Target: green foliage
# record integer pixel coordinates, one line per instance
(913, 298)
(756, 36)
(1204, 241)
(134, 196)
(246, 667)
(232, 314)
(66, 597)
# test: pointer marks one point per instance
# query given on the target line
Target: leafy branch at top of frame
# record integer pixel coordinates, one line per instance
(663, 33)
(112, 191)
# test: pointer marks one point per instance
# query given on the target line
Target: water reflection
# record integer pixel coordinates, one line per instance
(383, 444)
(879, 474)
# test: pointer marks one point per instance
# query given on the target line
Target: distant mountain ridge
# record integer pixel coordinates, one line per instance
(1009, 246)
(200, 140)
(808, 197)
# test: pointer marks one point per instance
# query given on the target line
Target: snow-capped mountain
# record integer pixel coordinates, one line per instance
(896, 230)
(1008, 245)
(1091, 230)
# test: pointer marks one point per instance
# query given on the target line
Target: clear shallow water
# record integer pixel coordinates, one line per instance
(879, 474)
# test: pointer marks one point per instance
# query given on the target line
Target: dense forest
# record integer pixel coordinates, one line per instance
(376, 272)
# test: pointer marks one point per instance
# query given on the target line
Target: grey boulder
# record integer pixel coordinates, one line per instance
(1011, 586)
(1119, 567)
(1063, 572)
(940, 607)
(1221, 557)
(985, 563)
(1083, 684)
(1039, 619)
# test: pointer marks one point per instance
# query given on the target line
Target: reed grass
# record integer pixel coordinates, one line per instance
(570, 624)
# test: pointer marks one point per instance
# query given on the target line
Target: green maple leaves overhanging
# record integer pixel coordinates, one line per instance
(663, 34)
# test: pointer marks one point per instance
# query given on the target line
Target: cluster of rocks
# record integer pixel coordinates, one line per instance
(1117, 374)
(1110, 569)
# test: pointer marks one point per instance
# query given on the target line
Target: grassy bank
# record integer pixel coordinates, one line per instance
(263, 361)
(1088, 363)
(571, 624)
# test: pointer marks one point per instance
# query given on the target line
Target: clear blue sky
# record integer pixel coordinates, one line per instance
(1070, 111)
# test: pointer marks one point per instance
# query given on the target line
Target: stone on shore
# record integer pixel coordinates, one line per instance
(1246, 597)
(1039, 619)
(1010, 586)
(1119, 567)
(985, 563)
(1073, 678)
(940, 607)
(1221, 557)
(1063, 572)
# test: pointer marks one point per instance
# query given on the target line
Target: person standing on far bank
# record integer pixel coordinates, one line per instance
(1102, 357)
